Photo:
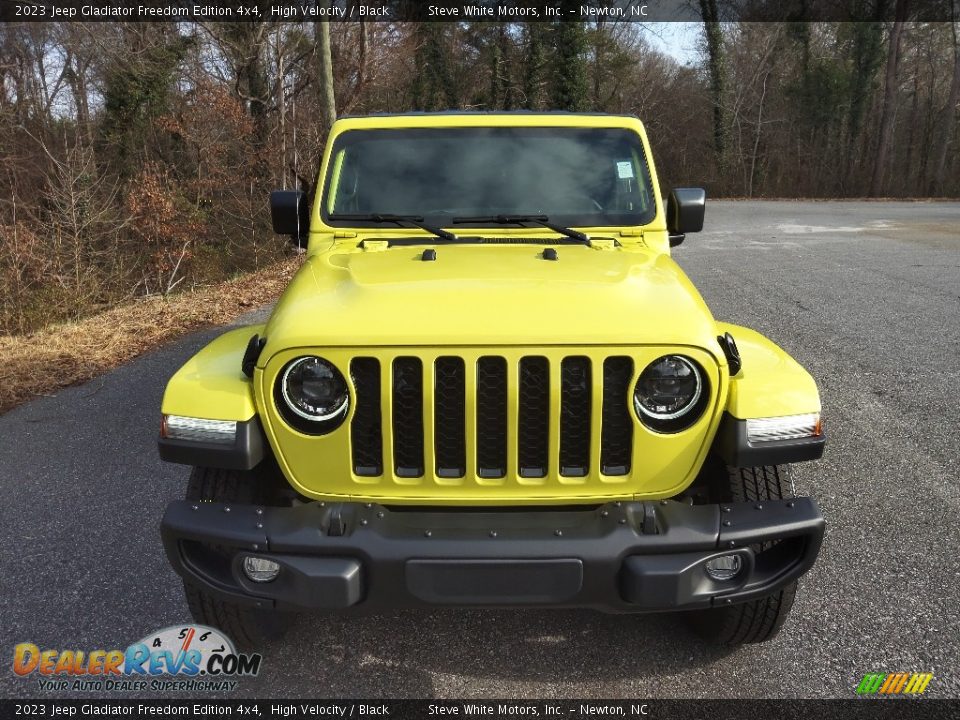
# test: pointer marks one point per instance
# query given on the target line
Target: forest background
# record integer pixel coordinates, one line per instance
(136, 158)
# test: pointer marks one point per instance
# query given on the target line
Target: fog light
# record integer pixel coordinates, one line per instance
(725, 567)
(259, 569)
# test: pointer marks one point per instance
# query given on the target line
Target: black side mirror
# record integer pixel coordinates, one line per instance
(685, 208)
(290, 215)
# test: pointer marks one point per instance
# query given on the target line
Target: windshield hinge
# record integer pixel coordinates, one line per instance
(375, 245)
(344, 234)
(631, 232)
(603, 243)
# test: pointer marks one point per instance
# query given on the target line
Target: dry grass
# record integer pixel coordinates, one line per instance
(62, 355)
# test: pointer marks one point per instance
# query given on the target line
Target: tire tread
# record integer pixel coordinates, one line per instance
(247, 627)
(758, 620)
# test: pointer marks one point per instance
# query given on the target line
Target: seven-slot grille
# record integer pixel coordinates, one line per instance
(441, 444)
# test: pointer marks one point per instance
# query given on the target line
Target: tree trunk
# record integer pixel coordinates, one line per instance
(433, 84)
(599, 52)
(496, 101)
(243, 44)
(533, 66)
(756, 138)
(950, 116)
(506, 67)
(569, 91)
(915, 132)
(866, 57)
(715, 58)
(328, 103)
(889, 98)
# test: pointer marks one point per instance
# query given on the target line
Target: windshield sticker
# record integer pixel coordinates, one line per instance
(625, 170)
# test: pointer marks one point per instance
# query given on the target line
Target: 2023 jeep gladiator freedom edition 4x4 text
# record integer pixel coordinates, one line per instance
(490, 385)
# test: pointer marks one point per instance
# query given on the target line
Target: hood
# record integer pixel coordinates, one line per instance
(487, 295)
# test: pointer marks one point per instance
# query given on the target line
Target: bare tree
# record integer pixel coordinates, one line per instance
(949, 116)
(717, 70)
(889, 95)
(81, 204)
(186, 126)
(328, 103)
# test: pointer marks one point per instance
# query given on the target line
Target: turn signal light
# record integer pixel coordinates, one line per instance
(789, 427)
(178, 427)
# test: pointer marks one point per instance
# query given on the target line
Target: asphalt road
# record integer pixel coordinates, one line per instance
(865, 295)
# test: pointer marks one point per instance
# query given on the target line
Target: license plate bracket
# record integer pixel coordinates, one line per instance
(495, 581)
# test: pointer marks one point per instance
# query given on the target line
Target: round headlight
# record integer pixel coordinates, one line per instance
(312, 389)
(667, 391)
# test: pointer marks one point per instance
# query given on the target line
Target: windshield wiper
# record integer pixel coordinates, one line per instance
(521, 219)
(415, 220)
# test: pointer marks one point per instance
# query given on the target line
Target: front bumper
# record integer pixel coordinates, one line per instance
(620, 557)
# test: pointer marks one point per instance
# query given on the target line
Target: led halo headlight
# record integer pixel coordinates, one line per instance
(312, 395)
(670, 393)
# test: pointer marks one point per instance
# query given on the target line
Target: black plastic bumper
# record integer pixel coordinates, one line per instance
(620, 557)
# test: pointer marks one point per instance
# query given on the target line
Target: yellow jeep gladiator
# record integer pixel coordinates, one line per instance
(490, 385)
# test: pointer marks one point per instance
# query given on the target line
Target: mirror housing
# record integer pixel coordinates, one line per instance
(290, 215)
(685, 209)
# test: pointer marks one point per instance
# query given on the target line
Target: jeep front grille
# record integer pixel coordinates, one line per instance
(365, 428)
(449, 412)
(616, 441)
(575, 417)
(533, 431)
(407, 417)
(491, 404)
(487, 420)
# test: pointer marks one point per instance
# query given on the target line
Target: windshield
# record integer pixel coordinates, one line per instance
(576, 176)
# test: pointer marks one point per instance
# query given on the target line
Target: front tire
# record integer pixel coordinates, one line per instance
(248, 627)
(758, 620)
